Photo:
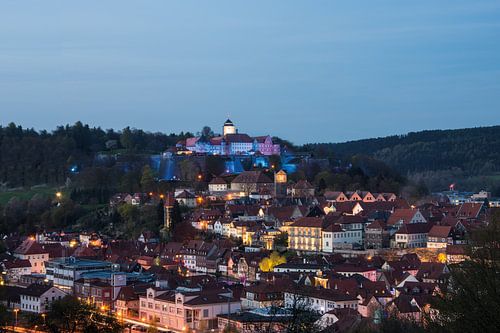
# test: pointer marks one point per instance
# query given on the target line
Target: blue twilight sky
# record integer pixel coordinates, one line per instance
(308, 71)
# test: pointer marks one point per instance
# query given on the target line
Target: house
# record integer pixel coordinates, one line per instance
(410, 307)
(302, 189)
(305, 234)
(434, 272)
(248, 266)
(411, 235)
(456, 254)
(363, 269)
(405, 216)
(217, 185)
(354, 196)
(318, 299)
(127, 301)
(353, 227)
(102, 287)
(189, 254)
(439, 237)
(335, 237)
(14, 268)
(262, 295)
(10, 296)
(257, 320)
(265, 145)
(148, 237)
(37, 298)
(470, 211)
(32, 251)
(376, 235)
(186, 198)
(249, 182)
(202, 217)
(189, 309)
(332, 196)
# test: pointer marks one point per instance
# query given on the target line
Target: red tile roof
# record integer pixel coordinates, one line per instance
(30, 246)
(314, 222)
(404, 214)
(414, 228)
(440, 231)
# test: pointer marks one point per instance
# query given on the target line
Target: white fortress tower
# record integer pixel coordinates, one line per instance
(228, 128)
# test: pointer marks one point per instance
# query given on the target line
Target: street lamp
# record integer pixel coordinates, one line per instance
(15, 312)
(43, 316)
(58, 195)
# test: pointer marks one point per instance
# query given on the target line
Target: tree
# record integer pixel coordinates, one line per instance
(189, 169)
(147, 179)
(176, 215)
(5, 317)
(281, 240)
(207, 132)
(303, 319)
(69, 315)
(126, 139)
(471, 302)
(267, 264)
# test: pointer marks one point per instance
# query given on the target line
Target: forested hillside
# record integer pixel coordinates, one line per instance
(29, 157)
(469, 157)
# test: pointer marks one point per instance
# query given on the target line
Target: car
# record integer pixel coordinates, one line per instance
(138, 328)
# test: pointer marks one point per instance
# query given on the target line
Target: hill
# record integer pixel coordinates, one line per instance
(469, 157)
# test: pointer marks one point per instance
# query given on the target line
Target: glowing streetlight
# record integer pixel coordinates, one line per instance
(15, 312)
(58, 195)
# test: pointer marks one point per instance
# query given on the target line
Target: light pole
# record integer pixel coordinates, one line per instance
(43, 316)
(15, 312)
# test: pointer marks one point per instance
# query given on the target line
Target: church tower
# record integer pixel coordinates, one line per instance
(168, 206)
(280, 183)
(228, 128)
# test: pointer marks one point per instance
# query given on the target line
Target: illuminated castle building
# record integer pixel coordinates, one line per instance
(233, 143)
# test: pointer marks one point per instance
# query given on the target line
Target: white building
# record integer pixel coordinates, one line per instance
(217, 186)
(14, 269)
(38, 297)
(319, 300)
(439, 237)
(187, 309)
(411, 236)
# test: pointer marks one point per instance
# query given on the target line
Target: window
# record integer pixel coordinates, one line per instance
(205, 313)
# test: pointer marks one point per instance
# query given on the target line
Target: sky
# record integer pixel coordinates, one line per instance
(307, 71)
